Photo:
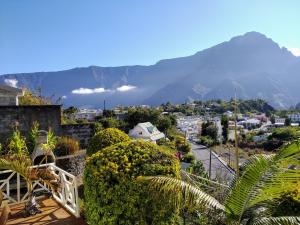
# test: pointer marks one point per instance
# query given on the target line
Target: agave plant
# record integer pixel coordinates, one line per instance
(249, 198)
(22, 164)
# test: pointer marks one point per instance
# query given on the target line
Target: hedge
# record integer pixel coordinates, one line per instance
(105, 138)
(112, 193)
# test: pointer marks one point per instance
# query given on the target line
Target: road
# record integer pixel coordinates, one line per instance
(219, 169)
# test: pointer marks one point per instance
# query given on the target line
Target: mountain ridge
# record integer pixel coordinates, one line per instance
(214, 72)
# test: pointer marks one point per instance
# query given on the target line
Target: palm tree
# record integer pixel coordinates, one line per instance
(22, 164)
(250, 197)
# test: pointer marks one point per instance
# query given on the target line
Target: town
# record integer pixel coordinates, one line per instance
(200, 134)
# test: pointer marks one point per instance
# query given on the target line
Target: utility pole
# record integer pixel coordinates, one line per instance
(236, 136)
(229, 156)
(104, 106)
(209, 171)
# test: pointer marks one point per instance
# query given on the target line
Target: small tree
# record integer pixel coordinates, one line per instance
(287, 122)
(225, 124)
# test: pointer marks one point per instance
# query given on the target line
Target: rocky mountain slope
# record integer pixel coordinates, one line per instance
(252, 64)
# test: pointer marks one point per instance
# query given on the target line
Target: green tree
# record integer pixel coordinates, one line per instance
(287, 122)
(109, 122)
(225, 124)
(249, 199)
(114, 195)
(210, 129)
(105, 138)
(164, 123)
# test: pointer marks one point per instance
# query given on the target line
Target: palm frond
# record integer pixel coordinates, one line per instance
(181, 191)
(288, 220)
(239, 196)
(17, 163)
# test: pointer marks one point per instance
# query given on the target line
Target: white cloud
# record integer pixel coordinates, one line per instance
(11, 82)
(126, 88)
(295, 51)
(88, 91)
(63, 97)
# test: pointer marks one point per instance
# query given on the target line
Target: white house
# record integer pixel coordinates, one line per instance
(146, 131)
(9, 95)
(295, 117)
(279, 122)
(250, 123)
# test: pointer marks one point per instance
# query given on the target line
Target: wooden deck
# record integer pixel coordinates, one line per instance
(52, 213)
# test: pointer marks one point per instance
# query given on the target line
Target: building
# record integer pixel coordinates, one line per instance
(9, 95)
(295, 117)
(146, 131)
(88, 114)
(250, 123)
(279, 122)
(229, 114)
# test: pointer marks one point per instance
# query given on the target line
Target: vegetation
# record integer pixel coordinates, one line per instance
(250, 198)
(17, 144)
(219, 107)
(31, 141)
(209, 134)
(225, 124)
(113, 195)
(104, 138)
(30, 98)
(66, 146)
(182, 145)
(188, 158)
(198, 169)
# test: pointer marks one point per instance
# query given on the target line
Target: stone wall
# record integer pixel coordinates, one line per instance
(73, 164)
(48, 116)
(80, 132)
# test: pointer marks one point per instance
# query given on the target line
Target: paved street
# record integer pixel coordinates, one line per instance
(218, 169)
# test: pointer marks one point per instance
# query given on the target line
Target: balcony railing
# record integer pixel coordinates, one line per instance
(15, 190)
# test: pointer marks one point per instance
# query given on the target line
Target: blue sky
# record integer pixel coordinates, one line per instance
(53, 35)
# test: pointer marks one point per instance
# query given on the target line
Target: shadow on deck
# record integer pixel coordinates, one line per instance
(52, 213)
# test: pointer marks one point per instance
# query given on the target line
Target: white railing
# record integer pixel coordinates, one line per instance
(15, 190)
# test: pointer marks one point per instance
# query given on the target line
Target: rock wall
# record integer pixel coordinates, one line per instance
(48, 116)
(80, 132)
(74, 164)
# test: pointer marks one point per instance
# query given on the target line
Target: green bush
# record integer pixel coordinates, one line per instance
(182, 145)
(17, 144)
(105, 138)
(188, 158)
(206, 140)
(114, 195)
(31, 140)
(66, 146)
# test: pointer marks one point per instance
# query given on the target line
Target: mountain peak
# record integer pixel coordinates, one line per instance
(251, 37)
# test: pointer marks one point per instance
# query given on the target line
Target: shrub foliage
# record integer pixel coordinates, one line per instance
(66, 146)
(105, 138)
(114, 195)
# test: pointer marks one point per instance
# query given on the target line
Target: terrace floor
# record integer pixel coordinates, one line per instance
(52, 213)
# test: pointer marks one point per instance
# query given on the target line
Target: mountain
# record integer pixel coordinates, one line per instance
(252, 64)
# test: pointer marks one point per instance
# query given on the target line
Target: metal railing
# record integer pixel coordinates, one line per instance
(15, 189)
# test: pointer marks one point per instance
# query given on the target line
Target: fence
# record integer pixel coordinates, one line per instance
(15, 190)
